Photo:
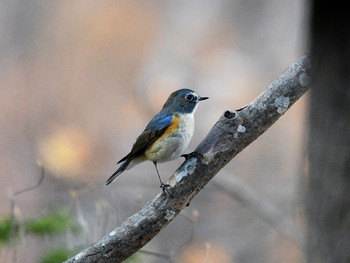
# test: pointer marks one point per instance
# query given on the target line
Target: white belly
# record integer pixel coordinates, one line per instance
(173, 146)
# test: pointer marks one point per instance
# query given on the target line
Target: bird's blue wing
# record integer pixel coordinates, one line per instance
(154, 129)
(160, 122)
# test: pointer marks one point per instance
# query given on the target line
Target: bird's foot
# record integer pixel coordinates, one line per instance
(165, 188)
(240, 109)
(192, 154)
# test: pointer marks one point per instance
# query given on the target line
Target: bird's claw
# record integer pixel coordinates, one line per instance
(165, 188)
(192, 154)
(240, 109)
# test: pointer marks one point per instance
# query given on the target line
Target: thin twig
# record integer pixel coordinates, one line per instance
(170, 257)
(42, 175)
(159, 255)
(12, 210)
(267, 211)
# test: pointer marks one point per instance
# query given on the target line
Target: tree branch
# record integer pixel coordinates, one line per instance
(234, 131)
(266, 210)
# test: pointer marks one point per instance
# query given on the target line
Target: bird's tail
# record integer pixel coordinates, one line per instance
(121, 169)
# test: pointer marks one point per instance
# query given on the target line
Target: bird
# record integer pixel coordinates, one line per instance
(167, 135)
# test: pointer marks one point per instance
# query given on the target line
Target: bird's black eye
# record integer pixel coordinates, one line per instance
(189, 97)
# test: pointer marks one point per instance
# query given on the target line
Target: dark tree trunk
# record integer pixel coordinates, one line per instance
(328, 190)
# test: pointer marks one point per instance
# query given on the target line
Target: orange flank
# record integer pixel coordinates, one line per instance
(154, 150)
(172, 126)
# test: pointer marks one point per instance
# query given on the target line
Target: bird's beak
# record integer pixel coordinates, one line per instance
(203, 98)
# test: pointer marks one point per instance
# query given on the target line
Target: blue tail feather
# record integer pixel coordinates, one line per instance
(121, 169)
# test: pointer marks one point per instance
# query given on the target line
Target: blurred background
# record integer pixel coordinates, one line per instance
(79, 81)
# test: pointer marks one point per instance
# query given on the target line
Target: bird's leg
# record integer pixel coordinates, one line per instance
(192, 154)
(162, 185)
(240, 109)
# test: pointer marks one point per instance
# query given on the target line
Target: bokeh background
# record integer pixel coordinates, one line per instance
(79, 80)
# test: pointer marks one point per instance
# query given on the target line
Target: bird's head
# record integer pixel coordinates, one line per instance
(183, 101)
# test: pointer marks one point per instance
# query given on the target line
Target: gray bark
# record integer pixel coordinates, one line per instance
(234, 131)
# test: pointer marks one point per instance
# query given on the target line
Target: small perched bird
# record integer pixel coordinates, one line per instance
(166, 136)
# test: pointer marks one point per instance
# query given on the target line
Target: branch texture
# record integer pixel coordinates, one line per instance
(234, 131)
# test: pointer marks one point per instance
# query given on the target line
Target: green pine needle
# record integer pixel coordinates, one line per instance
(56, 255)
(55, 222)
(5, 226)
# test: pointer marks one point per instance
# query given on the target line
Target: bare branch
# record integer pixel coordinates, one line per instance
(234, 131)
(263, 208)
(12, 210)
(159, 255)
(42, 175)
